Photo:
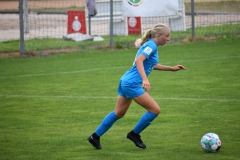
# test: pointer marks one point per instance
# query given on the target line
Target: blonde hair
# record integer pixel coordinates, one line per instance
(159, 28)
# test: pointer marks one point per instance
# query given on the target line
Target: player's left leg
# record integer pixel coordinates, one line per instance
(146, 101)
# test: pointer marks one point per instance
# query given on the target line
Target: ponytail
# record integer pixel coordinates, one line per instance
(151, 33)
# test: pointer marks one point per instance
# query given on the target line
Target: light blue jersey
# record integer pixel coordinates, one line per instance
(130, 84)
(150, 50)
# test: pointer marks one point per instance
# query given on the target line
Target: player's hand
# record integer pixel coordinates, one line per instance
(178, 67)
(146, 85)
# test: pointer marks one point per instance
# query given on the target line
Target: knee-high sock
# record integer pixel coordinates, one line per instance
(145, 121)
(106, 123)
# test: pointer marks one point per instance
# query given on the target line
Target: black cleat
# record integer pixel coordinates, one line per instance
(136, 139)
(94, 142)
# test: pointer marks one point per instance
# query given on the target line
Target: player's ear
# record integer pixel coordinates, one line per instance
(158, 35)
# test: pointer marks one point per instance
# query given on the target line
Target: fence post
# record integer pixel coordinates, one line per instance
(21, 27)
(25, 11)
(111, 24)
(193, 20)
(89, 25)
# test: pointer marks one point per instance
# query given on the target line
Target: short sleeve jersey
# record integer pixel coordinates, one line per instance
(150, 50)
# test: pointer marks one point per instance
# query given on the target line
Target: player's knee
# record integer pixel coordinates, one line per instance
(157, 110)
(119, 114)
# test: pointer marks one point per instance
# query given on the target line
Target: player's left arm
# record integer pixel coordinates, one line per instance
(168, 68)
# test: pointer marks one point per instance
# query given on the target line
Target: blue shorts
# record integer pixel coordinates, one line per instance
(130, 90)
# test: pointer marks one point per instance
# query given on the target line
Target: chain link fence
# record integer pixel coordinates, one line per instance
(47, 24)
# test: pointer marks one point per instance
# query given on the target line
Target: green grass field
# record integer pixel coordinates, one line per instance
(50, 105)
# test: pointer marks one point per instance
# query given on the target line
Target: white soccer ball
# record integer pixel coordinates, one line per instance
(138, 42)
(211, 142)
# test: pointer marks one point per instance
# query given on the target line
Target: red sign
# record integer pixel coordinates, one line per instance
(77, 22)
(134, 25)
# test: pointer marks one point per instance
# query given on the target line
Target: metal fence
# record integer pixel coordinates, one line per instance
(43, 25)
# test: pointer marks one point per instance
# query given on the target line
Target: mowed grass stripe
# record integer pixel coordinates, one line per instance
(111, 68)
(114, 97)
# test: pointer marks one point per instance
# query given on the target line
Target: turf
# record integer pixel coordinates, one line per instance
(50, 105)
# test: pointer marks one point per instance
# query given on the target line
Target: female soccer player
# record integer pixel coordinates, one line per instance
(134, 85)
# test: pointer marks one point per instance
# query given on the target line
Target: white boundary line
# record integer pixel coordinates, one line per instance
(96, 69)
(55, 73)
(115, 97)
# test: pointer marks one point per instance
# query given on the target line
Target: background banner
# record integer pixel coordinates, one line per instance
(146, 8)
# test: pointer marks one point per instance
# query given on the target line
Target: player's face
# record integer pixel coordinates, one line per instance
(164, 38)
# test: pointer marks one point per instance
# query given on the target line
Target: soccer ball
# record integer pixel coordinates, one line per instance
(211, 142)
(138, 42)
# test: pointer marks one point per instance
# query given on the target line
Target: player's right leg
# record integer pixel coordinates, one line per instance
(121, 108)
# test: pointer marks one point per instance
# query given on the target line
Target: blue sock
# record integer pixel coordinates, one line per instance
(145, 121)
(106, 123)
